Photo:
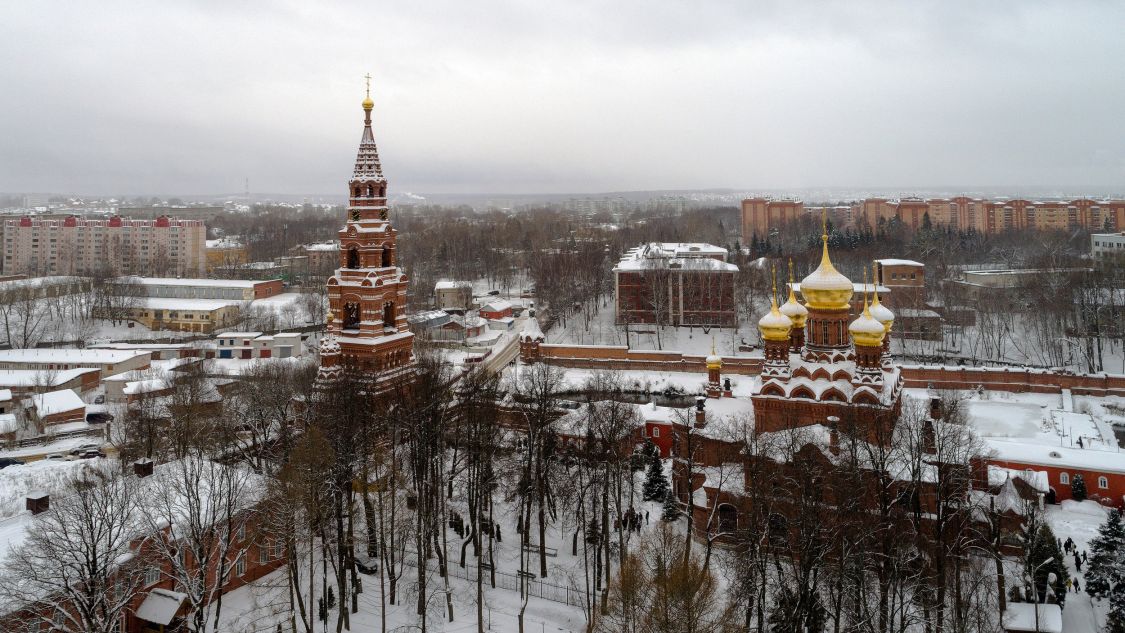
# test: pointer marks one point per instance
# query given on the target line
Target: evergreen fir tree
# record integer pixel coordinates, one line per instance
(1106, 567)
(656, 485)
(1115, 621)
(1045, 546)
(671, 507)
(1078, 488)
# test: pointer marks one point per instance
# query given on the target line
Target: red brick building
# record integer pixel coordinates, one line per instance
(675, 284)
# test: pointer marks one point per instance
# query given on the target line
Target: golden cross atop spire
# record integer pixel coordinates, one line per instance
(773, 292)
(368, 103)
(824, 224)
(874, 282)
(866, 311)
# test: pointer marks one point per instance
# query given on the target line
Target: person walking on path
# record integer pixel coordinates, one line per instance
(1083, 556)
(1068, 585)
(1076, 587)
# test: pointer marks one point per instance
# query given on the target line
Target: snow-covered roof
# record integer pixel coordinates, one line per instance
(54, 402)
(70, 356)
(34, 377)
(210, 283)
(38, 282)
(238, 335)
(1035, 454)
(5, 395)
(161, 606)
(224, 242)
(531, 330)
(899, 262)
(451, 285)
(672, 255)
(8, 423)
(497, 305)
(1020, 616)
(323, 246)
(166, 303)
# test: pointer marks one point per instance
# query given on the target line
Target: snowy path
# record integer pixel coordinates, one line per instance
(1080, 522)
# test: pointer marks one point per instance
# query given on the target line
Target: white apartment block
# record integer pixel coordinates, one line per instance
(120, 246)
(1107, 246)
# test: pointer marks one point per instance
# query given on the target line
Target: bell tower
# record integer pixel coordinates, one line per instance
(367, 293)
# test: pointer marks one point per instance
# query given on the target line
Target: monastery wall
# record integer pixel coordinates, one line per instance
(1013, 379)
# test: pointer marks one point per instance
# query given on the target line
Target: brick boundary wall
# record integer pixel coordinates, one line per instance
(1017, 380)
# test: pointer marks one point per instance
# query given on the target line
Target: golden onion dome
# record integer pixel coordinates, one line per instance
(825, 288)
(714, 361)
(882, 313)
(794, 310)
(866, 330)
(368, 103)
(775, 326)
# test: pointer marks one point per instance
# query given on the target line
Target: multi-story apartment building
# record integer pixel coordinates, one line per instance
(120, 246)
(760, 216)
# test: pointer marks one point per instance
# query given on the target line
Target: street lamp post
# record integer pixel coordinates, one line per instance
(1051, 577)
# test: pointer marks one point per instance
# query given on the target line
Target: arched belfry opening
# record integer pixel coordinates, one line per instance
(370, 191)
(386, 262)
(351, 316)
(389, 315)
(353, 257)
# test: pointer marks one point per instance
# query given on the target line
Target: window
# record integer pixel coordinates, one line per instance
(1103, 482)
(1064, 479)
(656, 431)
(263, 554)
(240, 566)
(278, 548)
(242, 532)
(152, 576)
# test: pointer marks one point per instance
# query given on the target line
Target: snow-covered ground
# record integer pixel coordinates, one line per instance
(259, 606)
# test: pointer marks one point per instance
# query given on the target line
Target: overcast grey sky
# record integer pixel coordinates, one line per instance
(115, 97)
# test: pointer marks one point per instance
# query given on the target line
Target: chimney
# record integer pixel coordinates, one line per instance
(38, 502)
(936, 408)
(142, 467)
(700, 414)
(833, 435)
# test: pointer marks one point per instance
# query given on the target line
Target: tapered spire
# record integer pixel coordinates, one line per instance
(367, 165)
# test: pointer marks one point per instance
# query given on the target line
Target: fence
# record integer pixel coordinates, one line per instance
(53, 437)
(571, 596)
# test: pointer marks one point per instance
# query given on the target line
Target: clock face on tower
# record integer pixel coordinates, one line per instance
(355, 215)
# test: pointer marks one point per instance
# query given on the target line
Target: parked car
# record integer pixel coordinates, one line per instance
(98, 417)
(92, 454)
(55, 456)
(9, 461)
(99, 399)
(84, 448)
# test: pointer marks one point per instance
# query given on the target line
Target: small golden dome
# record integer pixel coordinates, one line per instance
(330, 317)
(866, 330)
(368, 103)
(794, 310)
(775, 326)
(826, 288)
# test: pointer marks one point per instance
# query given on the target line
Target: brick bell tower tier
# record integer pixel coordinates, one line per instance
(367, 293)
(828, 297)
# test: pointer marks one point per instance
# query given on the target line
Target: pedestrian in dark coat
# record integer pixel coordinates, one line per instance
(1083, 556)
(1076, 587)
(1077, 562)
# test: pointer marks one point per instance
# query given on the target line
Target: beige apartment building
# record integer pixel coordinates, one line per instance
(760, 216)
(120, 246)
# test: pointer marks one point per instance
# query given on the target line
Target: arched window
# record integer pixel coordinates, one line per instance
(389, 315)
(1103, 482)
(353, 257)
(386, 257)
(1064, 479)
(728, 518)
(351, 316)
(370, 191)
